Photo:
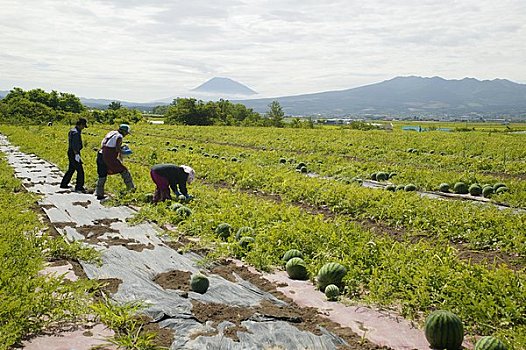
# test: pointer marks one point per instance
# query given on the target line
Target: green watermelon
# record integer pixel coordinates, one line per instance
(331, 273)
(410, 188)
(381, 176)
(332, 292)
(444, 330)
(444, 187)
(400, 187)
(391, 188)
(501, 189)
(244, 242)
(183, 211)
(292, 253)
(461, 188)
(282, 161)
(373, 176)
(475, 190)
(489, 343)
(487, 191)
(199, 283)
(176, 206)
(223, 230)
(244, 231)
(498, 185)
(297, 269)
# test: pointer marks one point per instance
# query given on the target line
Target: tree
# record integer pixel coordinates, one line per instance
(114, 105)
(275, 114)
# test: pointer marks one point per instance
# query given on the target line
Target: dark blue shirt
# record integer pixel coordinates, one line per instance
(75, 140)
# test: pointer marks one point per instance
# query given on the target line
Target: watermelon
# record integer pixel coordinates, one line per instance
(292, 253)
(176, 206)
(381, 176)
(282, 161)
(461, 188)
(244, 231)
(444, 330)
(331, 273)
(498, 185)
(410, 188)
(297, 269)
(400, 187)
(332, 292)
(183, 212)
(444, 187)
(475, 190)
(244, 242)
(223, 230)
(501, 189)
(199, 283)
(489, 343)
(391, 188)
(373, 176)
(487, 191)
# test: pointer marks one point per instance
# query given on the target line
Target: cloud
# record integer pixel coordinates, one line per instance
(145, 50)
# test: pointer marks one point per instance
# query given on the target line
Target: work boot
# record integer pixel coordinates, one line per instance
(128, 181)
(99, 190)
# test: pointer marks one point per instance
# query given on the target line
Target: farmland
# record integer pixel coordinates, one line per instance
(402, 251)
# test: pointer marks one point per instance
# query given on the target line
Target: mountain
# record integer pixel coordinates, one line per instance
(408, 96)
(224, 86)
(103, 103)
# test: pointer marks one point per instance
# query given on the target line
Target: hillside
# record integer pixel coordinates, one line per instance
(409, 96)
(225, 86)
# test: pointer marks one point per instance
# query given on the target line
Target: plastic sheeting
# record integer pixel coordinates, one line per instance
(80, 217)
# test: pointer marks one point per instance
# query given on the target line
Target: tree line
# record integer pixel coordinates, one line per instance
(40, 107)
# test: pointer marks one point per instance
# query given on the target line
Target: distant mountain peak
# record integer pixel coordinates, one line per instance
(225, 86)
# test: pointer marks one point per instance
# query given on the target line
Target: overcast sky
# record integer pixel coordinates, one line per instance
(143, 50)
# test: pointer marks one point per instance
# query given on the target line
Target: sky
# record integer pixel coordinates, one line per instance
(146, 50)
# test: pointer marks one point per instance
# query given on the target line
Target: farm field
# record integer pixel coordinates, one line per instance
(401, 250)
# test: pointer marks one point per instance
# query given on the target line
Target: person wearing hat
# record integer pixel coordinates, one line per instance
(109, 160)
(166, 176)
(75, 161)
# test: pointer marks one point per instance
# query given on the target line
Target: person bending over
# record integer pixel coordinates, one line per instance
(166, 176)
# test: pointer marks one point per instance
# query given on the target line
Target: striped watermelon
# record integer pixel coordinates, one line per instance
(489, 343)
(199, 283)
(444, 330)
(297, 269)
(292, 253)
(332, 292)
(331, 273)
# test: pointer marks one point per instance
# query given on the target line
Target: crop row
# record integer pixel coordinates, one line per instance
(416, 277)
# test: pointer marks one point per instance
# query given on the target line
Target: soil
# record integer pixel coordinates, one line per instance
(307, 319)
(93, 232)
(110, 285)
(175, 279)
(82, 204)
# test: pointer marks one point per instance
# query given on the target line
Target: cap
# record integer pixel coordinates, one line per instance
(82, 121)
(190, 172)
(125, 128)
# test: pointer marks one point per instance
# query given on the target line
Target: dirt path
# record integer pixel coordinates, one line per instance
(236, 312)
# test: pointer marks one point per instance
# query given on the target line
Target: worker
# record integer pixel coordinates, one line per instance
(166, 176)
(109, 160)
(74, 159)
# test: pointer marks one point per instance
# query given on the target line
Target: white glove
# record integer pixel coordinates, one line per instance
(77, 158)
